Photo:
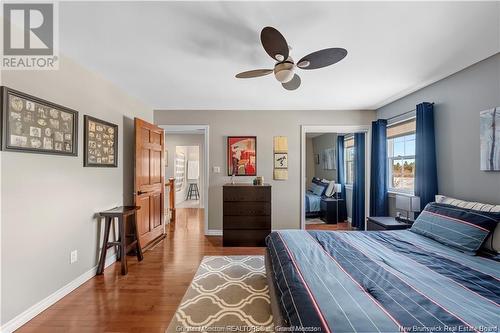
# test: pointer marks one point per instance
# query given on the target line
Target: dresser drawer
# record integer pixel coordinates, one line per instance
(244, 237)
(247, 208)
(247, 222)
(247, 193)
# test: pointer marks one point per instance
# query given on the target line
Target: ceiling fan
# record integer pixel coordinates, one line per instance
(277, 47)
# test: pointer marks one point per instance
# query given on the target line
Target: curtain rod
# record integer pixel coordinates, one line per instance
(404, 113)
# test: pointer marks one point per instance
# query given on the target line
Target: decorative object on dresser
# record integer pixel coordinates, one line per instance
(247, 214)
(121, 213)
(31, 124)
(385, 223)
(280, 158)
(100, 143)
(490, 139)
(242, 155)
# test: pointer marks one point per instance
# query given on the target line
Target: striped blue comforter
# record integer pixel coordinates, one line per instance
(312, 202)
(390, 281)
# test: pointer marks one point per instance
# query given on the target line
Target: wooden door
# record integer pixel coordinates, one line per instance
(149, 181)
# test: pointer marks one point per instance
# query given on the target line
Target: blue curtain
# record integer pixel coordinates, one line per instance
(378, 173)
(426, 186)
(341, 178)
(358, 189)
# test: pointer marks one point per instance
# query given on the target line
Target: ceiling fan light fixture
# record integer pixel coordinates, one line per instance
(284, 72)
(303, 64)
(279, 57)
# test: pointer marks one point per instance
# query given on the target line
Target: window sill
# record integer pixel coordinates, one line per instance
(392, 193)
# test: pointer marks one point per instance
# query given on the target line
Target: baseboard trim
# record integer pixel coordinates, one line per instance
(213, 232)
(36, 309)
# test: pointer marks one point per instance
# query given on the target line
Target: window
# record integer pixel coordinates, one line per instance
(349, 160)
(401, 156)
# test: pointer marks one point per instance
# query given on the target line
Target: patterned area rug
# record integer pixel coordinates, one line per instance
(228, 293)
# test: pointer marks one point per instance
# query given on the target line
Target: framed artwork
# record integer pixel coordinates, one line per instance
(33, 125)
(280, 160)
(100, 141)
(490, 139)
(328, 157)
(242, 155)
(280, 147)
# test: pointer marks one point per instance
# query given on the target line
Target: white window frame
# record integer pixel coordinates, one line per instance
(346, 162)
(390, 161)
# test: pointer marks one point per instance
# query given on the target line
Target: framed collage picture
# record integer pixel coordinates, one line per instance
(33, 125)
(100, 143)
(242, 155)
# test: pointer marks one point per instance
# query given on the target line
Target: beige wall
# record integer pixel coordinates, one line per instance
(49, 202)
(265, 125)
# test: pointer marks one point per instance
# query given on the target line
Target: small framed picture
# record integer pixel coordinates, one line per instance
(33, 125)
(280, 160)
(100, 143)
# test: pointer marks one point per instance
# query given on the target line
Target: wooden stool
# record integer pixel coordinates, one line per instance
(121, 213)
(193, 190)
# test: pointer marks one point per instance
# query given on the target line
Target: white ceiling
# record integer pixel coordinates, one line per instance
(184, 55)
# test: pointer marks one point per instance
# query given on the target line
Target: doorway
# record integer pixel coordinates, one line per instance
(186, 171)
(327, 187)
(186, 156)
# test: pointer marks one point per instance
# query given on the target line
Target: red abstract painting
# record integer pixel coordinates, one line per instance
(242, 155)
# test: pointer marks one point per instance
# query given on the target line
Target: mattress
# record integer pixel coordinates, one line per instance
(388, 281)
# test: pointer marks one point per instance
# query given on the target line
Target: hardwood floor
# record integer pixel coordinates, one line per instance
(146, 299)
(329, 227)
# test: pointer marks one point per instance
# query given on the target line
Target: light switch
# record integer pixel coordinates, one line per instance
(216, 169)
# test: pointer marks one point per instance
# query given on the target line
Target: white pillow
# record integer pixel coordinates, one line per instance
(330, 190)
(492, 243)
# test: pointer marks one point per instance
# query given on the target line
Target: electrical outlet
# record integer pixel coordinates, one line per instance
(216, 169)
(73, 257)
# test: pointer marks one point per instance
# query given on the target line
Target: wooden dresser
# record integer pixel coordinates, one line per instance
(247, 214)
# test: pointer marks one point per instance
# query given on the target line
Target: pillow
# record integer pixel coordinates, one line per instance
(330, 190)
(492, 243)
(317, 189)
(316, 180)
(468, 204)
(461, 228)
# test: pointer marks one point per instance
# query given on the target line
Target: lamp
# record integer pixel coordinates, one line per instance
(284, 72)
(408, 204)
(337, 188)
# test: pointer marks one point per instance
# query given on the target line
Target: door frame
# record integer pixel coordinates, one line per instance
(205, 131)
(333, 129)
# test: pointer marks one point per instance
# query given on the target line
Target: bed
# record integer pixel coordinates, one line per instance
(312, 204)
(317, 190)
(385, 281)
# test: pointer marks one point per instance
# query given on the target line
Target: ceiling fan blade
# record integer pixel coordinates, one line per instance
(322, 58)
(293, 84)
(274, 43)
(254, 73)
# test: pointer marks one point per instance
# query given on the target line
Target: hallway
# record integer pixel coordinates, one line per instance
(146, 299)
